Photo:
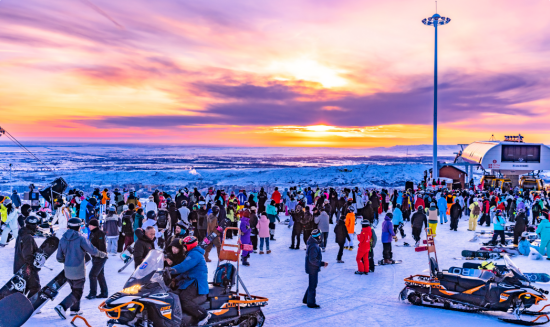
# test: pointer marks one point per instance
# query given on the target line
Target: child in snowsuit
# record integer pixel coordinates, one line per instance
(362, 258)
(387, 236)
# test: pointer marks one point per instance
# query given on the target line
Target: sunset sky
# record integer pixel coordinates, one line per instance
(346, 73)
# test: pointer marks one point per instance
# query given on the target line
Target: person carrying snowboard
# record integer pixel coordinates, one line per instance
(71, 253)
(25, 250)
(362, 258)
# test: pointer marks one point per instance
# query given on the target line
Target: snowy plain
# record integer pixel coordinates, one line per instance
(346, 299)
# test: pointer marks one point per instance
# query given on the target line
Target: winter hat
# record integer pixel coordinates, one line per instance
(316, 234)
(93, 222)
(74, 223)
(151, 215)
(389, 214)
(125, 207)
(112, 209)
(31, 220)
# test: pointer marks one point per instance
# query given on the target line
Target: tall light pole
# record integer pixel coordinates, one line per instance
(435, 21)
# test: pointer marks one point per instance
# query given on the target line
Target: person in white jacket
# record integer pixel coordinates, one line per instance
(151, 205)
(62, 216)
(11, 222)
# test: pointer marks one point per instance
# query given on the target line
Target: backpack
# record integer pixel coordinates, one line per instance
(477, 210)
(225, 275)
(162, 219)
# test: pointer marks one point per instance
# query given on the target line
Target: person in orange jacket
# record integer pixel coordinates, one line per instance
(364, 248)
(350, 226)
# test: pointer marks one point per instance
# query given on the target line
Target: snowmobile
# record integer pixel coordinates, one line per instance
(504, 290)
(147, 301)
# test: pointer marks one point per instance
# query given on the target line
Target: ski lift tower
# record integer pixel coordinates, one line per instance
(435, 21)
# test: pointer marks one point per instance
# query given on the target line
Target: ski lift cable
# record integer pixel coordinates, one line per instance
(14, 140)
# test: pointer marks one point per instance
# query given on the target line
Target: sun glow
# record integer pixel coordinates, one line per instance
(308, 70)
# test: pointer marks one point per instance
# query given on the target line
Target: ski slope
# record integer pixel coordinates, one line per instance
(345, 298)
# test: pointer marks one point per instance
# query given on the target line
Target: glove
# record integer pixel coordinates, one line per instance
(395, 238)
(39, 261)
(102, 254)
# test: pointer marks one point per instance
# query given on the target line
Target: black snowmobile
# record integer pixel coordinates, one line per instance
(146, 301)
(505, 289)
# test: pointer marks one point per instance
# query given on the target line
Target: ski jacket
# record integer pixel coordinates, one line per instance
(419, 202)
(521, 223)
(25, 248)
(375, 201)
(194, 266)
(297, 217)
(242, 198)
(104, 198)
(307, 221)
(184, 214)
(365, 237)
(397, 217)
(322, 222)
(276, 196)
(341, 232)
(433, 214)
(263, 227)
(246, 230)
(150, 206)
(387, 230)
(350, 223)
(442, 204)
(71, 252)
(16, 200)
(212, 224)
(524, 247)
(203, 218)
(455, 211)
(499, 223)
(111, 225)
(314, 257)
(418, 219)
(142, 247)
(97, 238)
(544, 231)
(271, 210)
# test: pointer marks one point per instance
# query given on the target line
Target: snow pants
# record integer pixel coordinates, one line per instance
(416, 233)
(362, 259)
(13, 227)
(340, 251)
(401, 230)
(97, 275)
(296, 236)
(350, 242)
(33, 283)
(386, 252)
(188, 305)
(72, 301)
(442, 216)
(272, 230)
(112, 244)
(454, 223)
(309, 297)
(433, 227)
(544, 246)
(215, 242)
(307, 234)
(472, 223)
(496, 234)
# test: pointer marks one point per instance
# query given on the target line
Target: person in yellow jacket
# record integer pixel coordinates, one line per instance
(475, 211)
(3, 209)
(433, 216)
(350, 226)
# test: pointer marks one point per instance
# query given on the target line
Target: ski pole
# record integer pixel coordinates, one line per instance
(47, 267)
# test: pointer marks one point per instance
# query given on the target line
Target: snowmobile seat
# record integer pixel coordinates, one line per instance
(217, 291)
(469, 282)
(443, 276)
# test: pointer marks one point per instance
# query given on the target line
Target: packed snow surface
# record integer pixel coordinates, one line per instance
(346, 299)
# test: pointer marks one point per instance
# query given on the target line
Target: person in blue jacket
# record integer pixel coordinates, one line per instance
(498, 224)
(195, 281)
(442, 206)
(544, 232)
(15, 199)
(397, 220)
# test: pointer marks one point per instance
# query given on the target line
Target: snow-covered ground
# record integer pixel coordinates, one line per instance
(346, 299)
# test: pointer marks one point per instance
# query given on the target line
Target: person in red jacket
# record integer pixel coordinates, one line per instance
(277, 197)
(419, 202)
(364, 248)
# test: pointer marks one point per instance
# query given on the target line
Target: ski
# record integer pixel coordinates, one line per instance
(50, 291)
(18, 283)
(404, 245)
(16, 310)
(127, 262)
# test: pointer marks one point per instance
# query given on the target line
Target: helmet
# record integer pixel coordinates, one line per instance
(31, 220)
(151, 214)
(351, 209)
(184, 203)
(215, 210)
(365, 223)
(316, 234)
(190, 242)
(182, 224)
(74, 223)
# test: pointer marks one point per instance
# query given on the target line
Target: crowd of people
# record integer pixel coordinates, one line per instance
(110, 221)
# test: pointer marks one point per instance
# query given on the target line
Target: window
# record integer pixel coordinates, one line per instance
(521, 153)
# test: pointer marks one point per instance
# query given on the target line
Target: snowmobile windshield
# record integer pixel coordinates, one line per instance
(153, 262)
(512, 267)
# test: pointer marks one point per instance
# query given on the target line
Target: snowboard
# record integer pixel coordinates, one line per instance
(501, 249)
(480, 254)
(16, 310)
(381, 263)
(18, 283)
(405, 245)
(50, 291)
(475, 272)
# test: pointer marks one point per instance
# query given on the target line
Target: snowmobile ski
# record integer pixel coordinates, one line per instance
(18, 283)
